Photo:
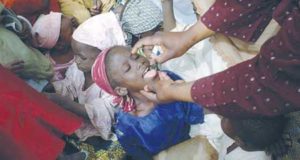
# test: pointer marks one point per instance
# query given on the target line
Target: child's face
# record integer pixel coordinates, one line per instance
(68, 24)
(128, 70)
(84, 55)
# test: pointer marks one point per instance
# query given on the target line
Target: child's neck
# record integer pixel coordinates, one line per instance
(88, 80)
(144, 106)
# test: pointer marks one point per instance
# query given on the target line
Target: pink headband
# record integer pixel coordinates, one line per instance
(48, 29)
(100, 78)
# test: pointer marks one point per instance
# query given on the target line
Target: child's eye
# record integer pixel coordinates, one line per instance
(126, 68)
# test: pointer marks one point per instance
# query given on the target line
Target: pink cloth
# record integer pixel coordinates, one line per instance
(48, 29)
(59, 68)
(100, 78)
(101, 31)
(97, 103)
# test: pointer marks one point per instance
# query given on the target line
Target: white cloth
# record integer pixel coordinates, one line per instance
(211, 128)
(183, 11)
(101, 31)
(199, 61)
(98, 104)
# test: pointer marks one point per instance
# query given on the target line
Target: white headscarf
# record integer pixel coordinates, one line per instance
(101, 31)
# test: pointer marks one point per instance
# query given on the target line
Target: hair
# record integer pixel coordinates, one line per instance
(259, 133)
(108, 59)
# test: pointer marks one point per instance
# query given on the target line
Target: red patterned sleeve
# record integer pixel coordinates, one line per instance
(243, 19)
(268, 84)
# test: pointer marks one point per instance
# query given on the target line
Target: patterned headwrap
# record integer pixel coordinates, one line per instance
(140, 16)
(99, 76)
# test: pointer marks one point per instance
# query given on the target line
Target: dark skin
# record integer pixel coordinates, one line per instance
(85, 56)
(229, 130)
(127, 70)
(62, 51)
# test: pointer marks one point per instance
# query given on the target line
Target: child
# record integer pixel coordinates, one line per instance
(53, 32)
(250, 135)
(143, 127)
(94, 105)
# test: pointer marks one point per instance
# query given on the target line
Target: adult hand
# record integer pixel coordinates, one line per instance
(161, 91)
(172, 45)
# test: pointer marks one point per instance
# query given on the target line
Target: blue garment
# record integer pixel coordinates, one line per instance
(167, 125)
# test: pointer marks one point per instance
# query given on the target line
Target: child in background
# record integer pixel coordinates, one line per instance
(91, 103)
(143, 127)
(53, 33)
(247, 135)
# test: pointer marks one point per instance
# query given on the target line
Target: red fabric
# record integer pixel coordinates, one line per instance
(32, 9)
(268, 84)
(243, 19)
(7, 3)
(32, 120)
(100, 78)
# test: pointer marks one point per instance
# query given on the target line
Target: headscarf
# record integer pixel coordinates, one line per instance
(101, 31)
(48, 29)
(140, 16)
(99, 76)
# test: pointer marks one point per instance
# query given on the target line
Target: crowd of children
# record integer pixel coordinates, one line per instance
(71, 88)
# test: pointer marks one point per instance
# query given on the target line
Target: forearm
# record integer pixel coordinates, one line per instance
(181, 91)
(68, 104)
(196, 33)
(169, 21)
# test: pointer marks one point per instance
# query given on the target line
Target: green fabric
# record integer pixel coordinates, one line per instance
(12, 49)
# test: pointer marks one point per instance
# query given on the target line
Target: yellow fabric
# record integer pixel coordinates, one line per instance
(75, 8)
(107, 5)
(80, 8)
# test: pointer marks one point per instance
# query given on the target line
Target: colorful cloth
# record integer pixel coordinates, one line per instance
(36, 7)
(267, 84)
(97, 103)
(140, 16)
(80, 8)
(33, 122)
(75, 8)
(167, 125)
(36, 65)
(101, 31)
(48, 29)
(100, 78)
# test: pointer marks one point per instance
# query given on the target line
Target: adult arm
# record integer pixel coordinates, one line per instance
(169, 21)
(267, 85)
(174, 44)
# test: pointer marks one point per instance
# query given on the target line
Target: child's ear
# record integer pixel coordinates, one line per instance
(121, 91)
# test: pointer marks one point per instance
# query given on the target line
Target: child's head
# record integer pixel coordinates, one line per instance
(254, 134)
(53, 31)
(93, 36)
(122, 74)
(85, 55)
(126, 71)
(141, 18)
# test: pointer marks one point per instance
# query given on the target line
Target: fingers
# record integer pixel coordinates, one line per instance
(147, 41)
(149, 95)
(163, 76)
